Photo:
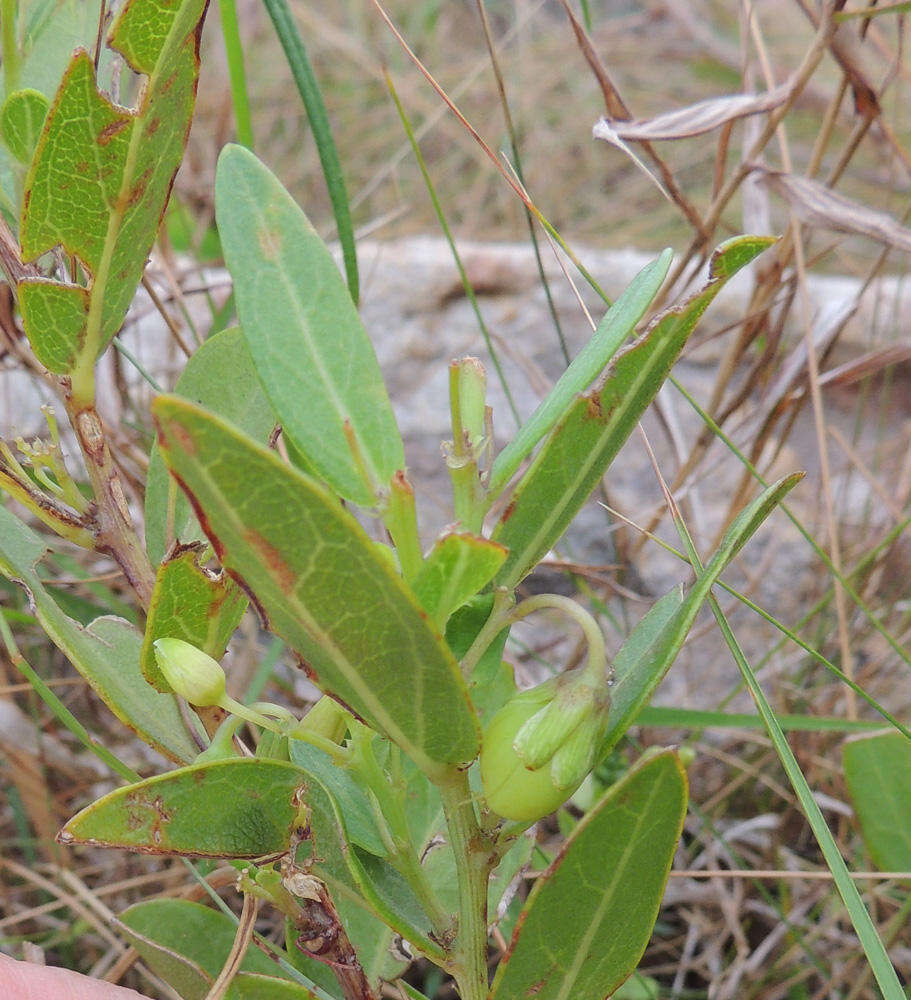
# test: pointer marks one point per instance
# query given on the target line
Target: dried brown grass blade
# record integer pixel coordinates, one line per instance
(820, 207)
(697, 119)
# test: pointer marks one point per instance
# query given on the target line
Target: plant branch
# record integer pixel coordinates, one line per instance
(114, 530)
(473, 863)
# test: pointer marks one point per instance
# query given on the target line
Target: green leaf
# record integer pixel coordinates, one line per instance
(220, 376)
(306, 339)
(373, 900)
(654, 643)
(239, 808)
(100, 180)
(106, 653)
(589, 436)
(191, 603)
(255, 986)
(492, 681)
(456, 568)
(867, 933)
(322, 586)
(618, 323)
(187, 945)
(878, 773)
(589, 917)
(186, 976)
(199, 933)
(21, 119)
(308, 88)
(347, 794)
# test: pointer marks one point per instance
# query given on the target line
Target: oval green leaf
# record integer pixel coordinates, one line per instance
(878, 773)
(243, 808)
(100, 180)
(321, 585)
(220, 376)
(308, 344)
(190, 603)
(106, 652)
(457, 567)
(21, 120)
(588, 919)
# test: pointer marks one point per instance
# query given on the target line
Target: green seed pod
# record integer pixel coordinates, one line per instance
(557, 725)
(192, 674)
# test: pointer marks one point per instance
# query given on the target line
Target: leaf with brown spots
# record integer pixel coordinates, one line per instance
(100, 180)
(323, 586)
(192, 603)
(238, 808)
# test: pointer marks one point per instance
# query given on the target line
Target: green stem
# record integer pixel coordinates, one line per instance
(597, 654)
(236, 74)
(401, 519)
(473, 859)
(11, 55)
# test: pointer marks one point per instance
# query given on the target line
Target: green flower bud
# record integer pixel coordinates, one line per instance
(557, 726)
(326, 718)
(472, 390)
(192, 674)
(575, 700)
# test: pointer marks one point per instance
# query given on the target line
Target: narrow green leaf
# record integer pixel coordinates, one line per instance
(100, 180)
(695, 718)
(219, 376)
(106, 653)
(618, 323)
(308, 88)
(878, 773)
(588, 919)
(654, 643)
(456, 568)
(592, 431)
(323, 587)
(21, 120)
(308, 344)
(191, 603)
(239, 808)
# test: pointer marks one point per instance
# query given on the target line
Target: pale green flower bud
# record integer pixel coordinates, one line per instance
(326, 719)
(192, 674)
(558, 725)
(574, 702)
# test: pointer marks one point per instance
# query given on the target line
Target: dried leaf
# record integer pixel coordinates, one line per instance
(697, 119)
(821, 207)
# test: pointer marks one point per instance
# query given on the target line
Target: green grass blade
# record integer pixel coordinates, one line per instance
(867, 934)
(447, 232)
(310, 94)
(234, 53)
(866, 931)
